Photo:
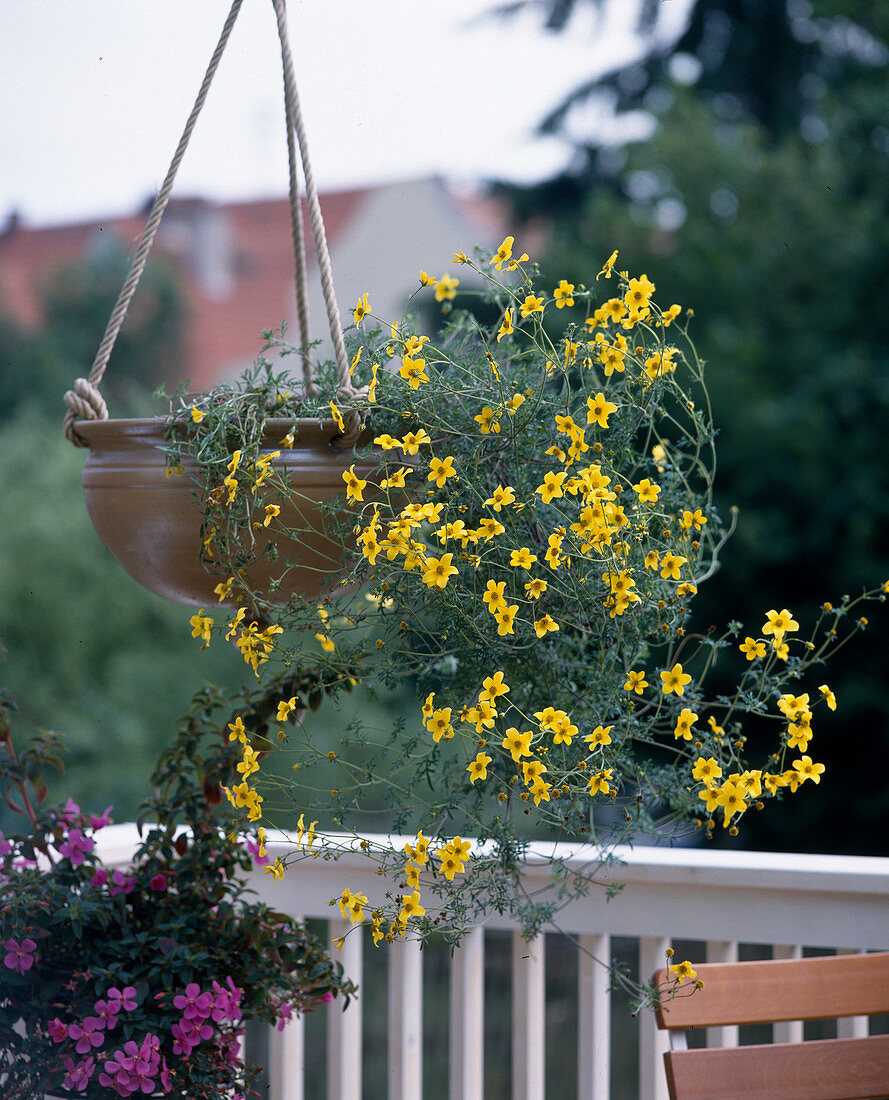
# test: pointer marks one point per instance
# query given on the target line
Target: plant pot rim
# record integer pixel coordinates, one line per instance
(99, 433)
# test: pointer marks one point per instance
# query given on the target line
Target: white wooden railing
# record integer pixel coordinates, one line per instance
(720, 899)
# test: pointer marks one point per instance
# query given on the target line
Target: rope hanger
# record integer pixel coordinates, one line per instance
(84, 401)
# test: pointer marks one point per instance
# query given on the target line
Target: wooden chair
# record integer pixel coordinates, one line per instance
(767, 992)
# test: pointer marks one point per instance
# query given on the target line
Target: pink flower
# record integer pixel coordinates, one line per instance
(100, 822)
(70, 811)
(122, 1000)
(158, 883)
(100, 878)
(5, 846)
(123, 883)
(78, 1074)
(87, 1034)
(107, 1012)
(20, 956)
(193, 1003)
(75, 848)
(57, 1030)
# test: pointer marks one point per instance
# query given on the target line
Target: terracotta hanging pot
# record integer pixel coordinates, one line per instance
(151, 522)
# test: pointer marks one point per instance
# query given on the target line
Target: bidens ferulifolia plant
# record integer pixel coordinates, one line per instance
(137, 980)
(526, 554)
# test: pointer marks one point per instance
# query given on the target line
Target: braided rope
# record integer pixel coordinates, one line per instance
(84, 401)
(346, 390)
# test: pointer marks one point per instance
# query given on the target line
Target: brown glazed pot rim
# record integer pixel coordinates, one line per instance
(149, 431)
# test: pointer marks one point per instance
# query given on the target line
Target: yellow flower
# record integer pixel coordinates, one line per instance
(271, 510)
(752, 649)
(337, 416)
(503, 253)
(778, 623)
(414, 440)
(488, 420)
(446, 287)
(531, 304)
(506, 326)
(808, 770)
(503, 495)
(535, 588)
(674, 679)
(327, 643)
(683, 970)
(505, 617)
(552, 486)
(276, 870)
(598, 410)
(439, 571)
(197, 415)
(201, 626)
(413, 371)
(635, 681)
(684, 722)
(829, 696)
(671, 564)
(543, 625)
(427, 280)
(440, 469)
(355, 486)
(459, 257)
(564, 294)
(478, 768)
(494, 687)
(609, 264)
(601, 735)
(647, 492)
(361, 310)
(522, 559)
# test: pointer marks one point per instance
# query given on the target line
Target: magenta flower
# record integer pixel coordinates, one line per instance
(124, 1000)
(107, 1012)
(123, 883)
(158, 883)
(87, 1034)
(78, 1074)
(100, 878)
(76, 847)
(100, 822)
(57, 1030)
(20, 956)
(193, 1003)
(5, 846)
(70, 811)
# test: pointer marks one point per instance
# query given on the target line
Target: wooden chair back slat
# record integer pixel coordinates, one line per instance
(829, 1069)
(781, 989)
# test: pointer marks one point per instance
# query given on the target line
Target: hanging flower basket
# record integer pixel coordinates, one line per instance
(153, 522)
(157, 525)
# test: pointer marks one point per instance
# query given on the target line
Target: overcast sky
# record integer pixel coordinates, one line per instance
(94, 95)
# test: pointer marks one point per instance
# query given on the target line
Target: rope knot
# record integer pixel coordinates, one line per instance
(84, 403)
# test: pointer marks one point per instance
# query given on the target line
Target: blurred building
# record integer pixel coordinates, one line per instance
(235, 260)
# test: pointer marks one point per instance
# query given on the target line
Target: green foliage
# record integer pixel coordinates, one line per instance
(760, 200)
(177, 922)
(88, 650)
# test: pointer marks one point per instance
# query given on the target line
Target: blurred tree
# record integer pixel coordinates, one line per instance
(38, 366)
(760, 199)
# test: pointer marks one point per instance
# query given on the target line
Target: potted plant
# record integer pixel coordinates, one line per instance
(151, 522)
(526, 557)
(138, 979)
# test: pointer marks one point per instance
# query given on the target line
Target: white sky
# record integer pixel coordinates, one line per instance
(94, 95)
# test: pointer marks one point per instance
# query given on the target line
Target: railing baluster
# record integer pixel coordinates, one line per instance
(722, 951)
(852, 1027)
(789, 1031)
(652, 1043)
(593, 1018)
(467, 1020)
(528, 1018)
(344, 1028)
(405, 1021)
(287, 1060)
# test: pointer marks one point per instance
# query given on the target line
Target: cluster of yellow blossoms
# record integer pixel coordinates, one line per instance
(452, 857)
